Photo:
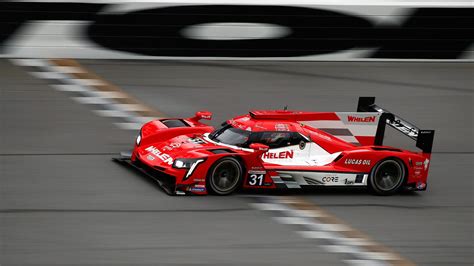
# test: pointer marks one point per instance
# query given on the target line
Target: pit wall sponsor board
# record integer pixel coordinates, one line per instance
(310, 30)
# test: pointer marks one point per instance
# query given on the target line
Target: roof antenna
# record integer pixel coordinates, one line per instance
(285, 108)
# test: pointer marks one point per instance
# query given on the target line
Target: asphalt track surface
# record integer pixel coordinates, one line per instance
(64, 202)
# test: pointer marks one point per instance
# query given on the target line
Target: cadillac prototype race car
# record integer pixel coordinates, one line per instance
(282, 149)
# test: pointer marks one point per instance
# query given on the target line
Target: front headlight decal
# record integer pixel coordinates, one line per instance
(192, 168)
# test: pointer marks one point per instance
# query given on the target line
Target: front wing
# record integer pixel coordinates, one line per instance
(166, 182)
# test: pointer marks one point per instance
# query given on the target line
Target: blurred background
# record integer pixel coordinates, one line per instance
(62, 63)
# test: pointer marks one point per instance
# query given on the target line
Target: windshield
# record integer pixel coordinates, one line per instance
(231, 135)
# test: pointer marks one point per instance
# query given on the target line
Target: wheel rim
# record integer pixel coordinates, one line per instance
(225, 176)
(389, 175)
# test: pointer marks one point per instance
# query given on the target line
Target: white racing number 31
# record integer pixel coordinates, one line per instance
(256, 179)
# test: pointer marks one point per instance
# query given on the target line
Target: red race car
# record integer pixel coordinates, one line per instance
(282, 149)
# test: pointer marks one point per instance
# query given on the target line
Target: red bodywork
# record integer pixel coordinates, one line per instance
(340, 156)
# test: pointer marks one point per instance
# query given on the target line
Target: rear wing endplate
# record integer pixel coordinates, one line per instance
(424, 138)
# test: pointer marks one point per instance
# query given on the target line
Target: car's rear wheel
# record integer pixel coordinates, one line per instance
(387, 177)
(225, 176)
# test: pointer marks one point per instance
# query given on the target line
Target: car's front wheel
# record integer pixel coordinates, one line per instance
(387, 177)
(225, 176)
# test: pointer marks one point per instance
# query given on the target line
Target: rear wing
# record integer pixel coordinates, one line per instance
(423, 137)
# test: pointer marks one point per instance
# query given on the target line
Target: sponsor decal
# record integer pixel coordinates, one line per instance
(355, 119)
(348, 182)
(357, 162)
(404, 127)
(281, 127)
(257, 172)
(302, 145)
(172, 146)
(175, 145)
(420, 185)
(196, 140)
(426, 163)
(199, 179)
(197, 189)
(330, 179)
(262, 148)
(160, 155)
(304, 178)
(239, 125)
(279, 155)
(256, 179)
(150, 157)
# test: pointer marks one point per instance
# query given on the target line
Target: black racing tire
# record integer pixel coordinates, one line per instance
(225, 176)
(387, 177)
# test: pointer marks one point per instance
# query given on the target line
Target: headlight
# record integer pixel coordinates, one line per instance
(183, 163)
(139, 139)
(190, 164)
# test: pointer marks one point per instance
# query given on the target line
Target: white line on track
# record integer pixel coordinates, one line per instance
(340, 249)
(329, 227)
(89, 82)
(69, 88)
(331, 234)
(49, 75)
(270, 206)
(91, 100)
(89, 91)
(317, 234)
(67, 69)
(365, 263)
(111, 113)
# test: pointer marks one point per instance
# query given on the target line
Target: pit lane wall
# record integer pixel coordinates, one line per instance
(269, 30)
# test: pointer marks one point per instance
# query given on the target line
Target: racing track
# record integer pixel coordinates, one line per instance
(64, 202)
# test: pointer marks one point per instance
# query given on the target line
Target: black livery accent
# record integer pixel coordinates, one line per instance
(423, 137)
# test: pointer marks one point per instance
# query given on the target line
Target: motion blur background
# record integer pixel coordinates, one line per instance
(63, 202)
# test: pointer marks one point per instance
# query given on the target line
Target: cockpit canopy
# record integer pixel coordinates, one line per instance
(231, 135)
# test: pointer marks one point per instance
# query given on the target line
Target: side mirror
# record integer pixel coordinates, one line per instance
(206, 115)
(259, 147)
